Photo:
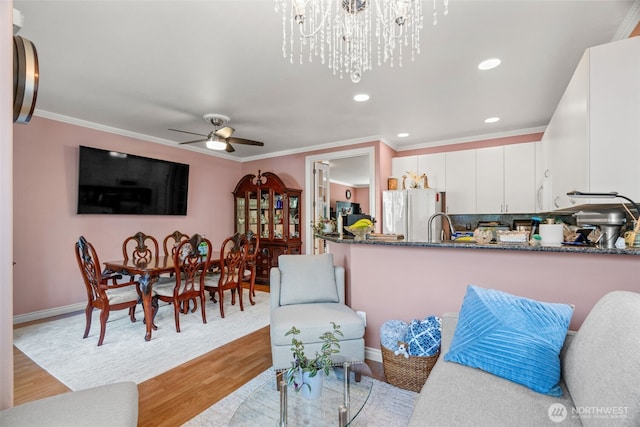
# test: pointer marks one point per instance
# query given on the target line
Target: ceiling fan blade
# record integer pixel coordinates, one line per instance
(229, 148)
(192, 142)
(225, 132)
(246, 142)
(184, 131)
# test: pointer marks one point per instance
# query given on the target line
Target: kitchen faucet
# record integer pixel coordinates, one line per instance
(434, 216)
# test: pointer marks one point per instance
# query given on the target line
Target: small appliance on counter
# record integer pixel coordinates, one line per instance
(608, 220)
(493, 227)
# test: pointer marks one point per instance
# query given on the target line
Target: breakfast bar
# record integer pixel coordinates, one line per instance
(406, 280)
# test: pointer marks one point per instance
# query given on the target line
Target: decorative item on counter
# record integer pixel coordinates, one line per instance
(412, 180)
(360, 228)
(340, 226)
(515, 236)
(392, 183)
(324, 226)
(482, 237)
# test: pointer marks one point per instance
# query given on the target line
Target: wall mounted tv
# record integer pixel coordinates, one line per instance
(110, 182)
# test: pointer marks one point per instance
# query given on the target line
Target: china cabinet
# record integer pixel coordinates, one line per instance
(264, 206)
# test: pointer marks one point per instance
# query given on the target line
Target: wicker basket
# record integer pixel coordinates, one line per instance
(409, 374)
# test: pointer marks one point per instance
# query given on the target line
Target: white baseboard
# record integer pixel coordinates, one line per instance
(373, 354)
(51, 312)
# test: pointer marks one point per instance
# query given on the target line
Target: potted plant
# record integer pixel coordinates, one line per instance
(306, 372)
(324, 226)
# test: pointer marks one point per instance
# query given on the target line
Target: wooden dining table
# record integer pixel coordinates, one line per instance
(147, 273)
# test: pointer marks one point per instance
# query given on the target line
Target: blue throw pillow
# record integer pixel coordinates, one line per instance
(423, 336)
(512, 337)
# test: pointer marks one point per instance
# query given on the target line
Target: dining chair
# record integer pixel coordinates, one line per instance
(103, 290)
(169, 246)
(233, 255)
(251, 264)
(191, 267)
(171, 242)
(140, 246)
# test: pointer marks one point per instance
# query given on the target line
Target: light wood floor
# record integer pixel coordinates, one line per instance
(176, 396)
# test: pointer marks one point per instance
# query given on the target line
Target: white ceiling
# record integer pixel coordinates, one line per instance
(141, 67)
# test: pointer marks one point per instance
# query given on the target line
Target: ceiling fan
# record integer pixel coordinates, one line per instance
(220, 138)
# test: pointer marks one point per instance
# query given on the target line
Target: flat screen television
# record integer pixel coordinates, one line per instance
(111, 182)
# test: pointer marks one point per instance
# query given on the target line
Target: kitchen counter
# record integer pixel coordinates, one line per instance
(491, 246)
(411, 280)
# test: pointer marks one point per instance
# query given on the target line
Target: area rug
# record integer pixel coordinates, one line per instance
(388, 406)
(58, 346)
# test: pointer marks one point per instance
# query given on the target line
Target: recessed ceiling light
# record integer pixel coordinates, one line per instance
(489, 64)
(361, 97)
(403, 135)
(492, 119)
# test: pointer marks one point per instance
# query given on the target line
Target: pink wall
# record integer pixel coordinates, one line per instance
(403, 283)
(46, 225)
(337, 194)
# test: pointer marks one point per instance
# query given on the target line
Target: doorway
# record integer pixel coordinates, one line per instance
(310, 193)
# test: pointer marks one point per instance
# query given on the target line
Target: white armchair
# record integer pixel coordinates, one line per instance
(307, 291)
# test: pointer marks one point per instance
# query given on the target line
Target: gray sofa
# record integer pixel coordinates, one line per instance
(600, 379)
(104, 406)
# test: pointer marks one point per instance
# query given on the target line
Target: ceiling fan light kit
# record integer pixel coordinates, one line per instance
(341, 32)
(220, 138)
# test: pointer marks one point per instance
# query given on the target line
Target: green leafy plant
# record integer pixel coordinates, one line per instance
(320, 362)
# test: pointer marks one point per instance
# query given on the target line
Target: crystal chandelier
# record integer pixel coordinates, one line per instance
(341, 32)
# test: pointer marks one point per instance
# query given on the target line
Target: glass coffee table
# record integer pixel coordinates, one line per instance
(340, 404)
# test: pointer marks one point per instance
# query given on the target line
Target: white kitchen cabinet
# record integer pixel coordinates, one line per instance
(592, 141)
(434, 166)
(460, 177)
(520, 178)
(490, 180)
(505, 179)
(401, 165)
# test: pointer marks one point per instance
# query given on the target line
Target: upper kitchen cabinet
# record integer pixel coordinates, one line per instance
(434, 166)
(489, 180)
(461, 176)
(506, 179)
(401, 165)
(520, 177)
(592, 143)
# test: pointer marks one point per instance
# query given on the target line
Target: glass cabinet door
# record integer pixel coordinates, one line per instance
(240, 214)
(253, 212)
(278, 215)
(265, 217)
(294, 217)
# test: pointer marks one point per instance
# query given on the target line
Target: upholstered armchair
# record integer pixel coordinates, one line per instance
(307, 291)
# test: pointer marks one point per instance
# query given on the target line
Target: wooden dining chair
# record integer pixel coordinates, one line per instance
(251, 264)
(233, 255)
(103, 290)
(140, 246)
(171, 242)
(190, 270)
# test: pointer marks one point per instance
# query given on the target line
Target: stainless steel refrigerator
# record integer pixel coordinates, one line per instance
(406, 212)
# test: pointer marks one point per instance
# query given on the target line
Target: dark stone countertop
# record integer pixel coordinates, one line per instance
(491, 246)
